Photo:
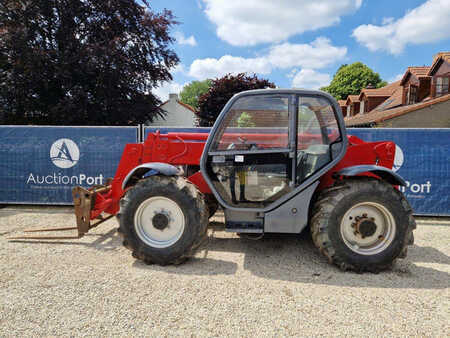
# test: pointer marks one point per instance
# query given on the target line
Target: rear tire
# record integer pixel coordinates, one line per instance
(163, 219)
(362, 224)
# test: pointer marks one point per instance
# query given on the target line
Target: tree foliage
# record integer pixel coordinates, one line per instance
(245, 120)
(79, 62)
(350, 79)
(192, 92)
(222, 89)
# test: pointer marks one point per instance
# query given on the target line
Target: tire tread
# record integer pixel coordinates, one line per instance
(327, 201)
(197, 213)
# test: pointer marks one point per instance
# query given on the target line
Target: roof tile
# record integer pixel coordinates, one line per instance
(386, 91)
(393, 101)
(352, 98)
(442, 56)
(185, 105)
(418, 72)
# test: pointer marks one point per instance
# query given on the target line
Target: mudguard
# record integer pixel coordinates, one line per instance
(155, 168)
(386, 174)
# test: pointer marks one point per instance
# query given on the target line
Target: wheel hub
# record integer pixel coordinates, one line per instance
(366, 227)
(160, 221)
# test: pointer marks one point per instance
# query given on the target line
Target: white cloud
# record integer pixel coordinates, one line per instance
(179, 68)
(427, 23)
(182, 40)
(396, 78)
(309, 78)
(250, 22)
(292, 73)
(211, 68)
(167, 88)
(319, 54)
(387, 21)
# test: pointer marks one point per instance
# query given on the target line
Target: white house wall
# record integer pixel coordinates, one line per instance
(177, 116)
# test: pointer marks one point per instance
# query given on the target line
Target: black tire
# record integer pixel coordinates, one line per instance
(327, 225)
(192, 208)
(212, 204)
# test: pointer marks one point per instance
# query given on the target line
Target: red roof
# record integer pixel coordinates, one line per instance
(392, 101)
(352, 98)
(185, 105)
(418, 72)
(437, 60)
(385, 91)
(379, 116)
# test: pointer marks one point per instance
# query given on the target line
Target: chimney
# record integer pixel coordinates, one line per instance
(173, 97)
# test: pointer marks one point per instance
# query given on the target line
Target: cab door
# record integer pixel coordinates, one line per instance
(319, 139)
(250, 154)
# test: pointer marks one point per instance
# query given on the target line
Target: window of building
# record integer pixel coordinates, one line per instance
(412, 95)
(361, 107)
(442, 85)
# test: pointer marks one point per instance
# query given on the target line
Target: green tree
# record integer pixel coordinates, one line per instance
(350, 79)
(222, 89)
(245, 120)
(192, 92)
(79, 62)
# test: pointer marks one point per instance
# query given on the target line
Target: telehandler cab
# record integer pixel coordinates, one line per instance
(277, 161)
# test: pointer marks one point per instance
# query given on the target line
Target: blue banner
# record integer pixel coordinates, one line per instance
(40, 165)
(422, 158)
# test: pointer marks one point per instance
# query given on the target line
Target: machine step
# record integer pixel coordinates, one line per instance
(245, 230)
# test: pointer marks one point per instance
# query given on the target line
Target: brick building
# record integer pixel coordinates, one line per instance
(420, 99)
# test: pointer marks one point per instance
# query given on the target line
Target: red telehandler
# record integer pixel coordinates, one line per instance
(276, 161)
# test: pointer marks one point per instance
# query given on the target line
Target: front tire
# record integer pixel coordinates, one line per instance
(362, 224)
(212, 204)
(163, 219)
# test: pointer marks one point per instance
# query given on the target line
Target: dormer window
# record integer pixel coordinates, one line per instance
(412, 95)
(442, 85)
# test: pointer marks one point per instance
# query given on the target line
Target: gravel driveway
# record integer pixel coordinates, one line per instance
(278, 286)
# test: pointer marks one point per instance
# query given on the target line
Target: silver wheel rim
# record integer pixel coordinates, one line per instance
(145, 227)
(368, 228)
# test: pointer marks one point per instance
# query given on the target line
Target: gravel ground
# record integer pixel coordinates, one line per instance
(278, 286)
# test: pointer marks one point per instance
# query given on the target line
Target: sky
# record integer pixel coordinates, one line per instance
(301, 43)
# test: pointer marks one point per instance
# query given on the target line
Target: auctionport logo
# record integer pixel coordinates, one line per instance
(398, 159)
(64, 153)
(412, 189)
